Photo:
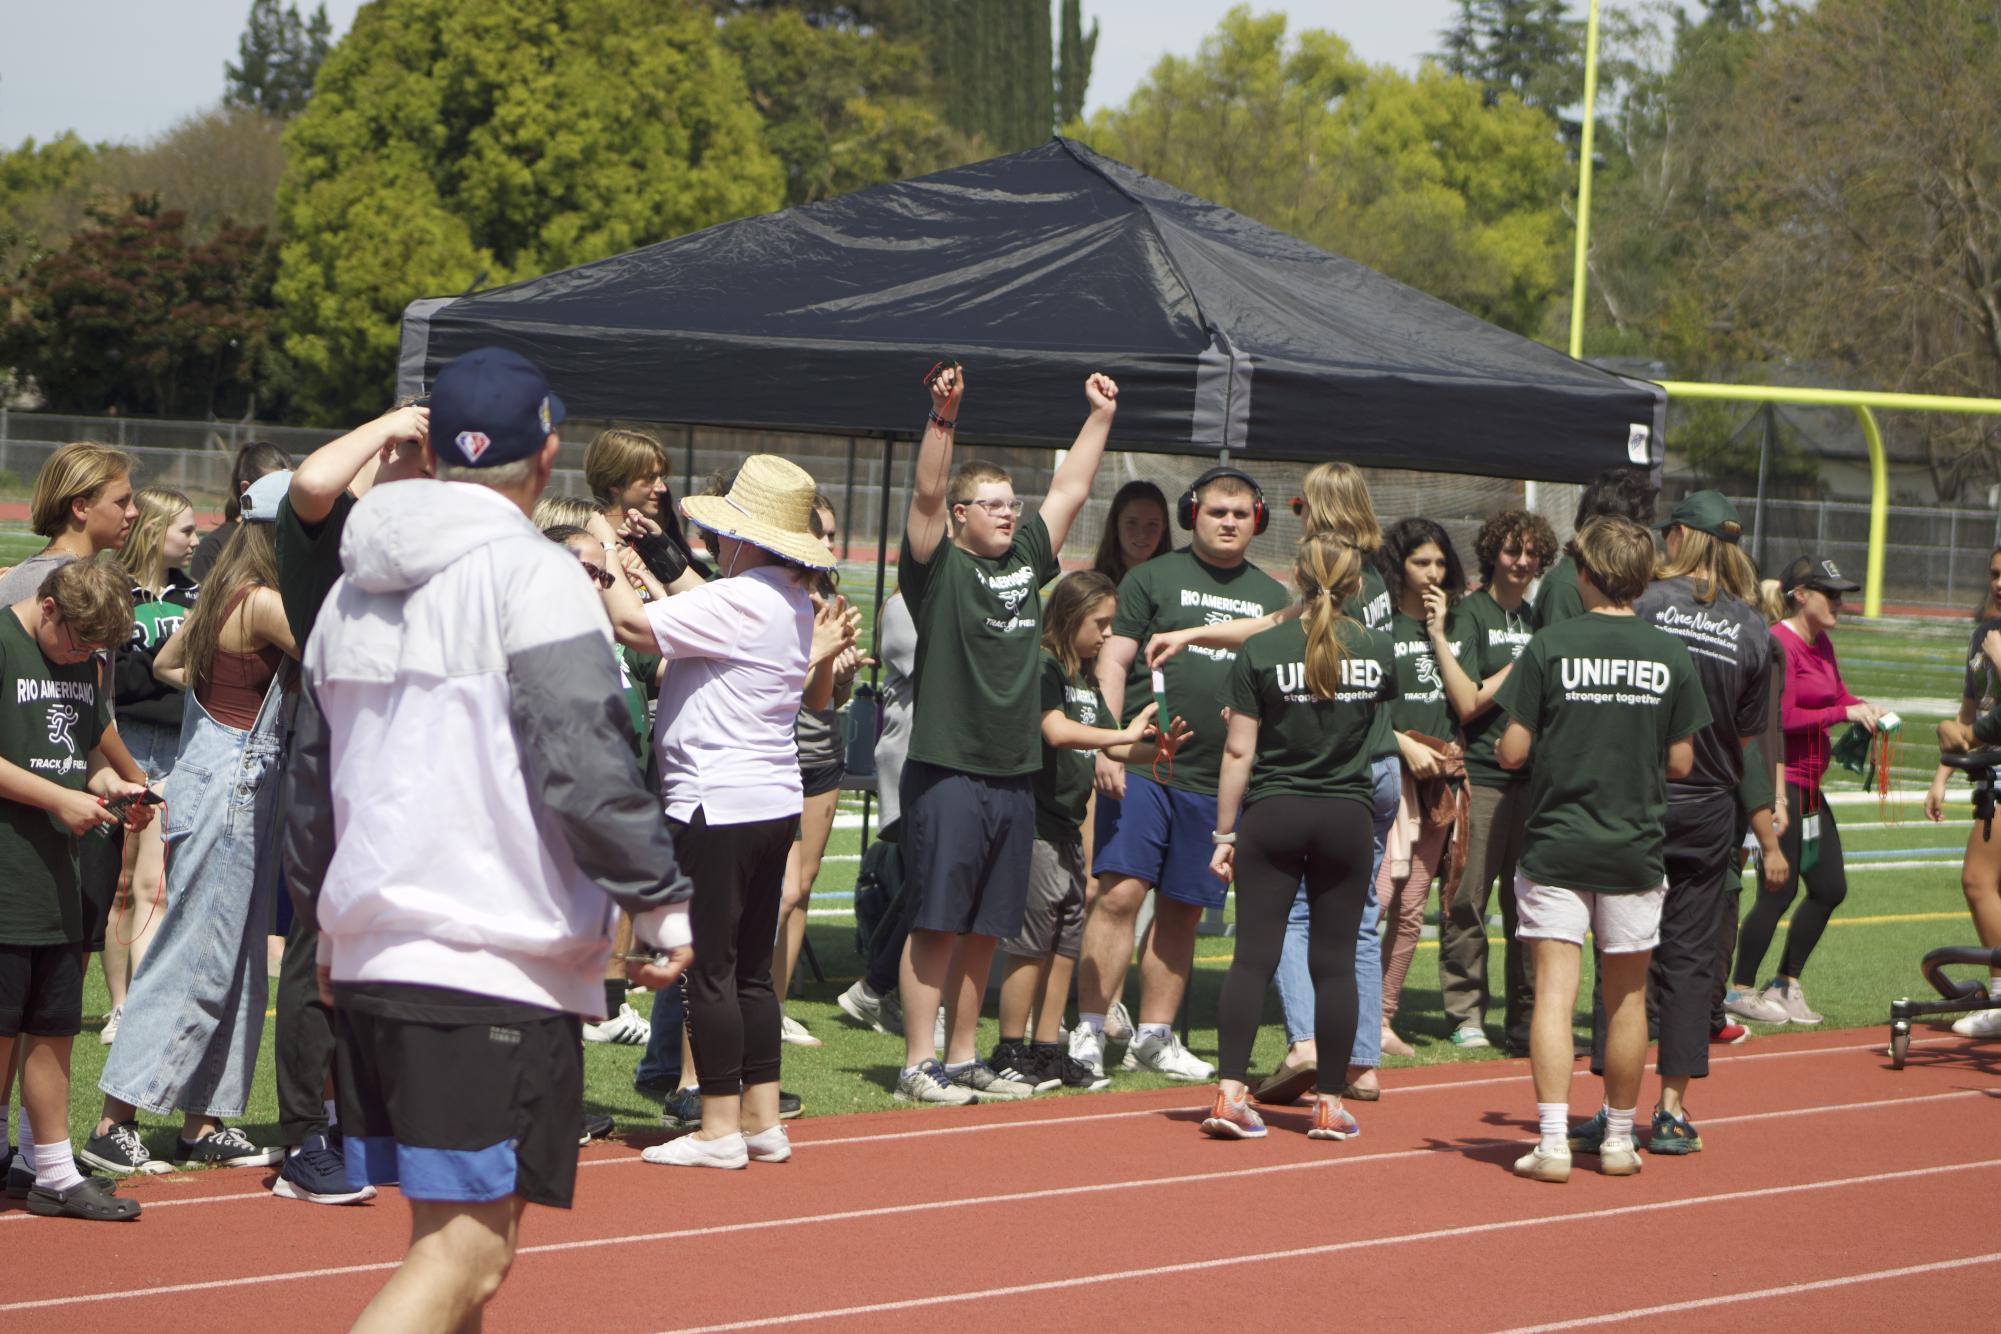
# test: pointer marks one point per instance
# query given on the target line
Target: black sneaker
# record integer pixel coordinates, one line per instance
(1019, 1061)
(317, 1174)
(1069, 1072)
(682, 1110)
(119, 1152)
(595, 1126)
(657, 1089)
(789, 1105)
(20, 1176)
(91, 1198)
(225, 1146)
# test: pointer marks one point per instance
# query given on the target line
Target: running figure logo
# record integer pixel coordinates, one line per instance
(62, 725)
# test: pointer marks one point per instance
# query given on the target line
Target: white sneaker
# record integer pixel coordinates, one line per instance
(1536, 1165)
(791, 1031)
(624, 1029)
(769, 1146)
(1979, 1024)
(109, 1033)
(1087, 1047)
(727, 1151)
(1166, 1056)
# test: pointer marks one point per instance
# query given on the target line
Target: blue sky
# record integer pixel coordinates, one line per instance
(125, 70)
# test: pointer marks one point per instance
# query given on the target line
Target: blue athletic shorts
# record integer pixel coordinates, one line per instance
(1162, 837)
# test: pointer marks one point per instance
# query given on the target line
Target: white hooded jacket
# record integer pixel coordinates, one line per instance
(463, 806)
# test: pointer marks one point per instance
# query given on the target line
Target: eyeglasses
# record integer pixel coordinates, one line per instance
(604, 577)
(998, 507)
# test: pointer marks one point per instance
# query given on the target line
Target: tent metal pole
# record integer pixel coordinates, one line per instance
(881, 580)
(848, 502)
(688, 461)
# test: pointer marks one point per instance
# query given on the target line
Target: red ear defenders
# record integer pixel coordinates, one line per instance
(1184, 509)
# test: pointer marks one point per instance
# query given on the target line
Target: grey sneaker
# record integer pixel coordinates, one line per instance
(1166, 1056)
(1756, 1007)
(865, 1007)
(1794, 1001)
(989, 1085)
(1087, 1048)
(929, 1083)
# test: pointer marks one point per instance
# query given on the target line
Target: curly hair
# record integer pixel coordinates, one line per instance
(1529, 529)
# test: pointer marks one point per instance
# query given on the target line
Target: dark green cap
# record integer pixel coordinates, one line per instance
(1708, 512)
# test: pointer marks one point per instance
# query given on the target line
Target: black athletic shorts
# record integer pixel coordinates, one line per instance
(458, 1097)
(820, 779)
(966, 849)
(41, 990)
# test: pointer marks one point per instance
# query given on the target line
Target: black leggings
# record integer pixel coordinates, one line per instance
(1326, 842)
(1826, 887)
(733, 1014)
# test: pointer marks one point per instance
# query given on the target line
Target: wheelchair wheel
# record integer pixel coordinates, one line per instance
(1900, 1045)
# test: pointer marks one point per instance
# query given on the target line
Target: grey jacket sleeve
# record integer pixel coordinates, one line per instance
(308, 805)
(573, 732)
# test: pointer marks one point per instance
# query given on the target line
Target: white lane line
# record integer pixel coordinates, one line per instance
(1762, 1294)
(1441, 1086)
(1017, 1197)
(1331, 1248)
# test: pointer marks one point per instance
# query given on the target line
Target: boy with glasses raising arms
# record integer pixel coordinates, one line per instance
(968, 810)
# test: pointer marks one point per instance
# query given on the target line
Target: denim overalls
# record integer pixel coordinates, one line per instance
(195, 1015)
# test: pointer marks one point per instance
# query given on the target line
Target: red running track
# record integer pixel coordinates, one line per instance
(1832, 1188)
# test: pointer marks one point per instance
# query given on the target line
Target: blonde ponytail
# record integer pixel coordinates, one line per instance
(1327, 573)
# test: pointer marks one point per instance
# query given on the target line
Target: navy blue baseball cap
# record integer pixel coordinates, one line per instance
(490, 407)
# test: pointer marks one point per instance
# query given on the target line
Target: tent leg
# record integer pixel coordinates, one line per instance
(881, 584)
(1879, 514)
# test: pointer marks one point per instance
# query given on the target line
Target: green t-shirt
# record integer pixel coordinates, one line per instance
(1605, 696)
(53, 721)
(1175, 592)
(1556, 597)
(1421, 705)
(1308, 746)
(1063, 784)
(979, 631)
(636, 672)
(1495, 638)
(1372, 606)
(308, 563)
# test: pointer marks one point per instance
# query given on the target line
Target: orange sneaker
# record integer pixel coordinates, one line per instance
(1331, 1121)
(1233, 1120)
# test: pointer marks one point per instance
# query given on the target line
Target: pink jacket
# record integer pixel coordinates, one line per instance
(1815, 700)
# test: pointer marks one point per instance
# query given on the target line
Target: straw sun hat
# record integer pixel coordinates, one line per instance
(770, 506)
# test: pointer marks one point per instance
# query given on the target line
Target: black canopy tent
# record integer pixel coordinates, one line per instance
(1035, 269)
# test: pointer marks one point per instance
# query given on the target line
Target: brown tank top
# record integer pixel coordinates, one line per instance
(234, 690)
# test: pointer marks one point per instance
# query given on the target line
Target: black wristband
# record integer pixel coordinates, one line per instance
(662, 556)
(949, 423)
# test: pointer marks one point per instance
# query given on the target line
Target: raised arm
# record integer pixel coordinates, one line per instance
(1071, 486)
(350, 462)
(924, 525)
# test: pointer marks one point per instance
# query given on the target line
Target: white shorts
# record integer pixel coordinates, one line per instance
(1623, 923)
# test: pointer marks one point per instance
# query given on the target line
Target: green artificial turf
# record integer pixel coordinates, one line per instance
(1868, 957)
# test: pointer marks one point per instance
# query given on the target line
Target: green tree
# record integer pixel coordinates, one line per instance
(843, 108)
(280, 54)
(1530, 48)
(447, 143)
(992, 62)
(134, 317)
(1413, 175)
(1074, 51)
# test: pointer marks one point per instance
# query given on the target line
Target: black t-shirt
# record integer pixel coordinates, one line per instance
(140, 696)
(1727, 641)
(210, 549)
(308, 563)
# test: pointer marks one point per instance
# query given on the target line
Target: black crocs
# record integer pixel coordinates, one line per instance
(92, 1199)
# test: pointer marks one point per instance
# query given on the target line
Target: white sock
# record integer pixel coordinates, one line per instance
(1555, 1119)
(55, 1166)
(333, 1112)
(1091, 1023)
(1619, 1126)
(1994, 988)
(1162, 1032)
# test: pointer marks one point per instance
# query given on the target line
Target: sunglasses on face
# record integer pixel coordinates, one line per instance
(604, 577)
